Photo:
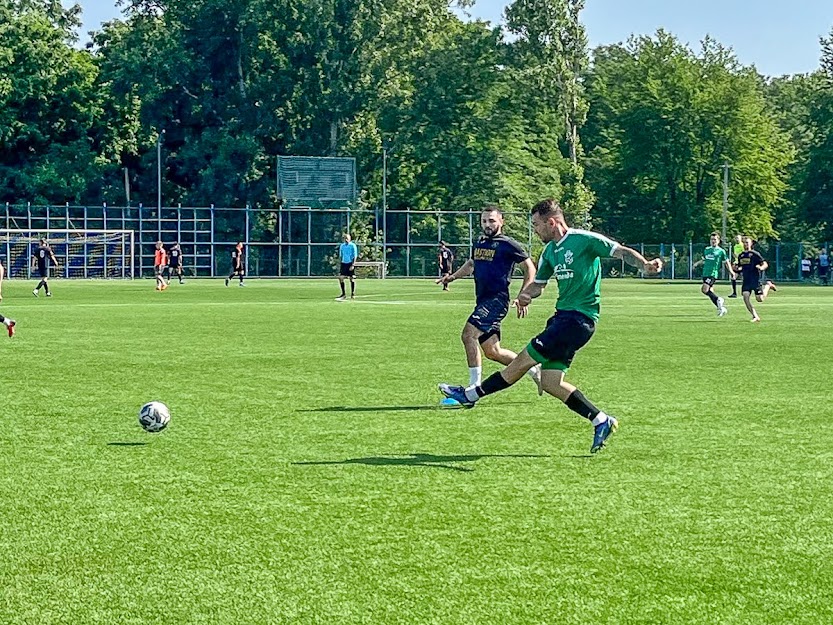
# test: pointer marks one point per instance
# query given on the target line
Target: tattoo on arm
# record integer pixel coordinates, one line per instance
(630, 256)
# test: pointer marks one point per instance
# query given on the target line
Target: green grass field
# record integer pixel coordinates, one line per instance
(309, 476)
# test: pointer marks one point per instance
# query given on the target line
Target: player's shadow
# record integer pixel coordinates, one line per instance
(125, 444)
(419, 460)
(391, 408)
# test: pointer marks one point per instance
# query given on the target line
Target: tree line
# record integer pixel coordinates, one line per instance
(631, 137)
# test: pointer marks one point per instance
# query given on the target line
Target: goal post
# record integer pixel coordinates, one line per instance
(80, 253)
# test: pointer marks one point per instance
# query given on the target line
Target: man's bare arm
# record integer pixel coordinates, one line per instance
(635, 259)
(462, 272)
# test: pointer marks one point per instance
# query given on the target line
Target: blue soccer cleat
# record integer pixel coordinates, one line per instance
(602, 433)
(457, 393)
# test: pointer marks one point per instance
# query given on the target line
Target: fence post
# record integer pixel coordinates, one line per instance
(691, 261)
(408, 242)
(778, 261)
(641, 251)
(211, 267)
(673, 261)
(139, 209)
(662, 255)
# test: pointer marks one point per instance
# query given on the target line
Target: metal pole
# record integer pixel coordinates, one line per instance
(159, 171)
(725, 197)
(384, 205)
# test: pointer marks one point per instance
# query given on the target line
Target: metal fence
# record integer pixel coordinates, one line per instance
(302, 241)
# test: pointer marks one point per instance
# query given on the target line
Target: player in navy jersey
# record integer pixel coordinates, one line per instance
(445, 261)
(175, 263)
(493, 259)
(41, 257)
(237, 267)
(753, 266)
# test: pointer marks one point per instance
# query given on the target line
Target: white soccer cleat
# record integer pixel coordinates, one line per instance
(535, 374)
(35, 292)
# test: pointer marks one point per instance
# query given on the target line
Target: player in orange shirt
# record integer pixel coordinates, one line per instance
(160, 261)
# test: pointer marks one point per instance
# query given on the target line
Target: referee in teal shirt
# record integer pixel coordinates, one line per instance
(348, 253)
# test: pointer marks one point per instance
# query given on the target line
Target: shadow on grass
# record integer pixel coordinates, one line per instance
(125, 444)
(419, 460)
(392, 408)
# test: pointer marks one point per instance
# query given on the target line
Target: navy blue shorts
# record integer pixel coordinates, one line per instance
(566, 333)
(487, 316)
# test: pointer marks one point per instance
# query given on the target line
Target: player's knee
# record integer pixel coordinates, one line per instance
(491, 350)
(760, 298)
(705, 289)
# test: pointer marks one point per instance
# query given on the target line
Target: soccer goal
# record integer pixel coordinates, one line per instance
(80, 253)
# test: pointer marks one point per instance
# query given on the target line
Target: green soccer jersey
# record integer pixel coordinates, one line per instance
(574, 261)
(713, 257)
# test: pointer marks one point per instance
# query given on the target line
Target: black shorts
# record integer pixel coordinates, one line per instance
(822, 271)
(444, 269)
(806, 274)
(158, 270)
(347, 269)
(567, 332)
(43, 272)
(173, 266)
(756, 287)
(709, 280)
(487, 316)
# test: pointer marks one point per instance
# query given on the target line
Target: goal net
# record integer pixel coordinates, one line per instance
(80, 253)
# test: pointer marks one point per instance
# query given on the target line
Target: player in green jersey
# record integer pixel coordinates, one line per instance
(573, 258)
(713, 257)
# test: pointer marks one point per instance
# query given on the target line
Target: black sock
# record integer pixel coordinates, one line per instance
(579, 404)
(352, 288)
(343, 294)
(492, 384)
(712, 297)
(2, 318)
(734, 287)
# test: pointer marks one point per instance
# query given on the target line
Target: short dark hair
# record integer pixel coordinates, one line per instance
(492, 208)
(443, 243)
(548, 208)
(715, 234)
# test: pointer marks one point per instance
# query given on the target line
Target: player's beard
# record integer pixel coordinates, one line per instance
(490, 232)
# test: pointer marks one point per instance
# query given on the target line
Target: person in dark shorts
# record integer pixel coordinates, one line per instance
(41, 258)
(824, 267)
(492, 262)
(175, 263)
(713, 257)
(753, 266)
(237, 267)
(347, 255)
(445, 261)
(572, 257)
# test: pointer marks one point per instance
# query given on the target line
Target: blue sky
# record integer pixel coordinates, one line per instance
(777, 40)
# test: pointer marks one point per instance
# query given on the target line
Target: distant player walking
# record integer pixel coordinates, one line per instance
(160, 263)
(753, 266)
(175, 262)
(824, 267)
(347, 253)
(573, 257)
(41, 258)
(492, 262)
(237, 266)
(737, 249)
(713, 257)
(445, 262)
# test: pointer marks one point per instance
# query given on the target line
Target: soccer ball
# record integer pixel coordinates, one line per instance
(154, 416)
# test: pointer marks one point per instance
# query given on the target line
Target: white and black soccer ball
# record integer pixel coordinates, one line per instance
(154, 416)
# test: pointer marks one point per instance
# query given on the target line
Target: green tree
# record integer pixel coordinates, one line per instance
(663, 122)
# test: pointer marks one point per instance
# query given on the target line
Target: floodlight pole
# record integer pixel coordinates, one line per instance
(159, 171)
(384, 207)
(725, 198)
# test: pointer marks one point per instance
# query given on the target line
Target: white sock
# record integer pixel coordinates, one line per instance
(7, 322)
(474, 375)
(471, 394)
(600, 418)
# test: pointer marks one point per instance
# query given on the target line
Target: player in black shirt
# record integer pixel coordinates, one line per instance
(493, 259)
(237, 267)
(175, 263)
(445, 261)
(753, 266)
(41, 257)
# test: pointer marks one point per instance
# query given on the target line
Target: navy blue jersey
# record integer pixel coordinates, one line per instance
(494, 259)
(748, 262)
(446, 255)
(174, 257)
(43, 253)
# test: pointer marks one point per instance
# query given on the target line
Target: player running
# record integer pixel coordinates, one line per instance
(713, 257)
(572, 257)
(41, 258)
(445, 262)
(175, 263)
(237, 267)
(753, 266)
(493, 259)
(160, 263)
